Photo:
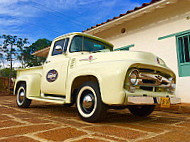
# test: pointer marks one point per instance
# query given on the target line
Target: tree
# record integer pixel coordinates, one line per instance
(21, 45)
(1, 60)
(31, 60)
(6, 72)
(10, 48)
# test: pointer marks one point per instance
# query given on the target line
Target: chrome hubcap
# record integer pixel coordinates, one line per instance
(87, 102)
(21, 96)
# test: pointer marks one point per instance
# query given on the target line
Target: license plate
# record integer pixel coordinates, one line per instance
(165, 102)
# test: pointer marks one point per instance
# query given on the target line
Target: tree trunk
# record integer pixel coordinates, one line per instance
(11, 67)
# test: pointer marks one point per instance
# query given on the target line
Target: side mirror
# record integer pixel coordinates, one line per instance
(58, 48)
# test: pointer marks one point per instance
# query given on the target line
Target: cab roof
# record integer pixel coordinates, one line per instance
(84, 34)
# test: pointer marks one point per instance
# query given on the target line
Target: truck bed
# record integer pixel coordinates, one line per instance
(32, 70)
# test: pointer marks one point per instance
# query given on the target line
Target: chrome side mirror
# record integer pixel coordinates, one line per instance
(58, 48)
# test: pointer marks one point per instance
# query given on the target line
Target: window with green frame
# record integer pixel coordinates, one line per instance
(124, 48)
(183, 49)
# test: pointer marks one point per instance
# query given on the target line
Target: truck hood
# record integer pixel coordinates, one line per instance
(131, 56)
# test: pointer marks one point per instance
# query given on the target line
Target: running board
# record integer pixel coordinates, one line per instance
(61, 101)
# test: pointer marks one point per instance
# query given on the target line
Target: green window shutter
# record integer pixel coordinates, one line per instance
(173, 35)
(124, 48)
(183, 52)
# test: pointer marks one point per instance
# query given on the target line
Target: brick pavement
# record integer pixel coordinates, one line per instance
(51, 122)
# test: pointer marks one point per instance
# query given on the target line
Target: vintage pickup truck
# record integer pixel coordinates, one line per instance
(84, 69)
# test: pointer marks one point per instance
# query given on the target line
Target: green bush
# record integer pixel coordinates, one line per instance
(6, 72)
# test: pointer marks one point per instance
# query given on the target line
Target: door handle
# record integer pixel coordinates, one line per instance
(47, 62)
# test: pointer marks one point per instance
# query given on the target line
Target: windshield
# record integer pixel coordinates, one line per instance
(81, 43)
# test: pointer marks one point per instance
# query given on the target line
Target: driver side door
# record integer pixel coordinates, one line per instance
(55, 70)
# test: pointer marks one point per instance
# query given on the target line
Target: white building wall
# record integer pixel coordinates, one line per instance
(144, 31)
(146, 39)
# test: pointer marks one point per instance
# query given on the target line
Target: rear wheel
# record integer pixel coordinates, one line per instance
(22, 101)
(89, 103)
(143, 111)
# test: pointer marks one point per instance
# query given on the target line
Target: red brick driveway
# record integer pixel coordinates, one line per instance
(50, 122)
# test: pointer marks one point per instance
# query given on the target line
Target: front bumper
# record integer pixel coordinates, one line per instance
(149, 100)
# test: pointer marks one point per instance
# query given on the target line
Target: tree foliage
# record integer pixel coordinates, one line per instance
(31, 60)
(6, 72)
(11, 46)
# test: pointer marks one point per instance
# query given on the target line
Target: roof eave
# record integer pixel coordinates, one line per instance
(127, 17)
(42, 53)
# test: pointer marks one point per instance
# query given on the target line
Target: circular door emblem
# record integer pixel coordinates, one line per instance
(52, 75)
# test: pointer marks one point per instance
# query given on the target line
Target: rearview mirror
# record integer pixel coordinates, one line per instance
(58, 48)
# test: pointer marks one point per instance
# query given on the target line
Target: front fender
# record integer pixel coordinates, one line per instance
(110, 76)
(33, 84)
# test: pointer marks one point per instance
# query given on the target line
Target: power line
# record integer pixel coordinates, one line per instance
(39, 26)
(76, 22)
(32, 35)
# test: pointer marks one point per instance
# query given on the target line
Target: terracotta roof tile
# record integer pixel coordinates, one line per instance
(123, 14)
(109, 20)
(115, 17)
(98, 25)
(129, 11)
(145, 4)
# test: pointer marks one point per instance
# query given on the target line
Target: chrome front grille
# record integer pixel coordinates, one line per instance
(153, 80)
(150, 80)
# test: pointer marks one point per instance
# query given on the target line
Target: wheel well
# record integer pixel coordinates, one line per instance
(18, 84)
(78, 81)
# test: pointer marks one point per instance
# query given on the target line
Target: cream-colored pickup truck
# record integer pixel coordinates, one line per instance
(85, 70)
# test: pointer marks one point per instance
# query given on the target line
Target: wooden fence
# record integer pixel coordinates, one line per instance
(4, 84)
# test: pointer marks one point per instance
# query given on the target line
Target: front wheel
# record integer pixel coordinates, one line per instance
(142, 111)
(89, 103)
(22, 101)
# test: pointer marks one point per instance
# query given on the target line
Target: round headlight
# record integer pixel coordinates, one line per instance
(172, 83)
(133, 77)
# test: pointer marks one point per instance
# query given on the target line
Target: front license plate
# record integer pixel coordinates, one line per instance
(165, 102)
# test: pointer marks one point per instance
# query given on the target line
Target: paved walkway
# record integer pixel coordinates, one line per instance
(50, 122)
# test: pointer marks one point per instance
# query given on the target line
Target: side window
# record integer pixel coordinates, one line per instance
(63, 43)
(183, 49)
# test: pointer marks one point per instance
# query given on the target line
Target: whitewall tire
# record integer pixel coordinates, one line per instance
(89, 103)
(21, 100)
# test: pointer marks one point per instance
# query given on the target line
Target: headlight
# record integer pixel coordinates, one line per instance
(133, 77)
(172, 85)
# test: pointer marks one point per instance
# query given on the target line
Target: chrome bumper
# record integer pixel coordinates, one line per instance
(149, 100)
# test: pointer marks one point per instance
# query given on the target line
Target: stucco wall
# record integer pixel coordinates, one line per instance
(144, 32)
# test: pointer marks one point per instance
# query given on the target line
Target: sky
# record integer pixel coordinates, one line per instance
(35, 19)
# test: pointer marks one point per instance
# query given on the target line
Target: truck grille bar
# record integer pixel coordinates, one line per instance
(153, 80)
